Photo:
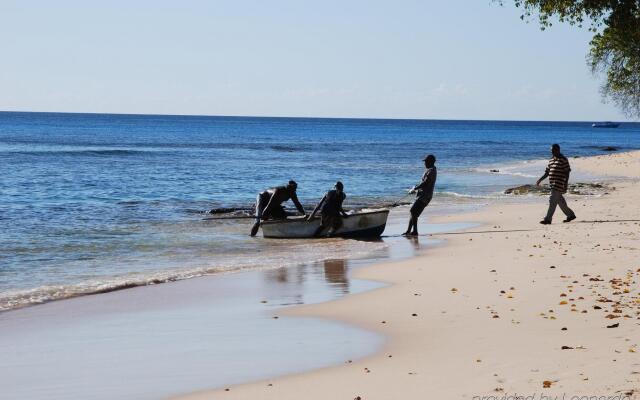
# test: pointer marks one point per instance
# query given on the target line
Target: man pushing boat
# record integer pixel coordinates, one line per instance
(332, 211)
(269, 204)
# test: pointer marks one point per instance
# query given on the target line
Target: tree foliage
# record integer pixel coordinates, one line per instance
(615, 46)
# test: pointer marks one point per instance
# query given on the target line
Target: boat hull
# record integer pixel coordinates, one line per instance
(359, 225)
(605, 125)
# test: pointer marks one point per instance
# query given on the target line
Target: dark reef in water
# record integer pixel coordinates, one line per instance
(602, 148)
(227, 210)
(574, 188)
(288, 149)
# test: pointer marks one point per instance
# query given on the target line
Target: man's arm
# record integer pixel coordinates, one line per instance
(426, 179)
(543, 177)
(315, 210)
(419, 185)
(344, 214)
(296, 202)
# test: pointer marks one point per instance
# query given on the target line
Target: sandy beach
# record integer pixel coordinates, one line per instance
(508, 308)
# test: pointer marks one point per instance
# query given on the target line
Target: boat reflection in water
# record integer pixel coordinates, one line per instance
(311, 283)
(335, 273)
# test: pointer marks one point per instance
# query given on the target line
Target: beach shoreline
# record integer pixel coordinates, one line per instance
(512, 308)
(389, 291)
(214, 326)
(104, 202)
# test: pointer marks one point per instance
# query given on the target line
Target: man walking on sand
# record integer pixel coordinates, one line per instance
(558, 172)
(424, 194)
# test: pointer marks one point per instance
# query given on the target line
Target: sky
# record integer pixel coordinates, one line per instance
(454, 59)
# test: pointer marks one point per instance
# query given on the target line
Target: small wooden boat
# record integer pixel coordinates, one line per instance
(368, 224)
(605, 125)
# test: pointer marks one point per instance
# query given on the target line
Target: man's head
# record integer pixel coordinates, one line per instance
(555, 149)
(429, 161)
(292, 185)
(339, 186)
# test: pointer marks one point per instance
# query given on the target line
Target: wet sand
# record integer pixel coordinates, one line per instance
(151, 342)
(157, 341)
(510, 308)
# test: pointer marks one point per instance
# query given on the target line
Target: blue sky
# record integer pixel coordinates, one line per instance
(452, 59)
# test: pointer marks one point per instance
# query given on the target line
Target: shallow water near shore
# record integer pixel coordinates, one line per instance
(153, 342)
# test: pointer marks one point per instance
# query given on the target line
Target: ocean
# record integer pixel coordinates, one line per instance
(98, 202)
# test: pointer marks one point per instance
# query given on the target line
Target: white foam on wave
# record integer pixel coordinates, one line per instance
(533, 169)
(297, 252)
(470, 196)
(524, 169)
(516, 173)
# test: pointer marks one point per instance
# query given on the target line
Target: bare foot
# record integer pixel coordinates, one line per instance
(254, 229)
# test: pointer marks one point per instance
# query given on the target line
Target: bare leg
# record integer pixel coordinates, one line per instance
(408, 231)
(416, 209)
(255, 227)
(412, 229)
(260, 205)
(414, 220)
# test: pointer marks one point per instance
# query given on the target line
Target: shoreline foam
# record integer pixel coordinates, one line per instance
(17, 299)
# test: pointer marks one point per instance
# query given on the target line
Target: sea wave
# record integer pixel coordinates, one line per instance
(299, 252)
(82, 152)
(468, 196)
(524, 169)
(43, 294)
(503, 171)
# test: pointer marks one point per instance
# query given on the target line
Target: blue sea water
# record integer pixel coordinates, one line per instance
(94, 202)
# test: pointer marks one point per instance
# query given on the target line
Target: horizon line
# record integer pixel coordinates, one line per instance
(305, 117)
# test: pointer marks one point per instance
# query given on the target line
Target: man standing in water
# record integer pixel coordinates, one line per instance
(558, 172)
(332, 212)
(269, 204)
(424, 194)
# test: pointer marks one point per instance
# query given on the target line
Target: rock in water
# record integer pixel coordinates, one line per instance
(574, 188)
(229, 210)
(528, 189)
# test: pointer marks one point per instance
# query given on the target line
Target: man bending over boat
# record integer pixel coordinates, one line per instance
(269, 204)
(424, 192)
(332, 212)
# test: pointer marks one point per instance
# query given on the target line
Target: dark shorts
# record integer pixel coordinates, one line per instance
(418, 207)
(331, 221)
(277, 211)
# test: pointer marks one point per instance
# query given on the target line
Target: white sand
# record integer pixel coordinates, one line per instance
(484, 315)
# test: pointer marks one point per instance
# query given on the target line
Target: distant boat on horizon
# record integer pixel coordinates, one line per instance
(606, 124)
